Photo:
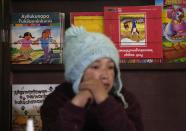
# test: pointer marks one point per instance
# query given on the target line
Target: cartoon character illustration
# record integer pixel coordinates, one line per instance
(175, 31)
(25, 49)
(134, 29)
(45, 40)
(174, 34)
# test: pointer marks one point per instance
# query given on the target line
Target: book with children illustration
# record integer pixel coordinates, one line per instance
(26, 102)
(91, 21)
(132, 30)
(37, 37)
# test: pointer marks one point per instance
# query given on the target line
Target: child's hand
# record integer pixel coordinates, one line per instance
(35, 42)
(82, 98)
(96, 87)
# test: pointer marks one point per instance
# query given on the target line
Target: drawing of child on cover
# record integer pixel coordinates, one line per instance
(132, 29)
(45, 40)
(43, 48)
(25, 48)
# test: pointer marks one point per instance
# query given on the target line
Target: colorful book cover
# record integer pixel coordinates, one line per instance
(92, 21)
(133, 31)
(37, 37)
(174, 33)
(171, 2)
(26, 102)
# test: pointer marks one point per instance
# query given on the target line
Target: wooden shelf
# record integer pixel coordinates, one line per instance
(60, 67)
(162, 66)
(37, 67)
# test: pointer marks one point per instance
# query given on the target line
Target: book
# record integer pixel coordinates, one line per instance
(132, 30)
(37, 37)
(174, 33)
(26, 102)
(171, 2)
(91, 21)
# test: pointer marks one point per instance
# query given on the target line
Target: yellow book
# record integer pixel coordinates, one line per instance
(91, 21)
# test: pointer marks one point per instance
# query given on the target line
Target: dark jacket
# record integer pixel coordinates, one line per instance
(58, 114)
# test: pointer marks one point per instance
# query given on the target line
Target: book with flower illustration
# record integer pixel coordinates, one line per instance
(132, 30)
(91, 21)
(26, 102)
(37, 37)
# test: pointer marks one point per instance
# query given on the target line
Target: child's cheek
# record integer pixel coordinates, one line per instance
(89, 74)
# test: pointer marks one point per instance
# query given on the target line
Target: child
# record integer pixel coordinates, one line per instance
(134, 29)
(92, 99)
(25, 49)
(45, 40)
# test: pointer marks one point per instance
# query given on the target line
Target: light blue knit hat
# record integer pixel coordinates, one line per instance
(81, 49)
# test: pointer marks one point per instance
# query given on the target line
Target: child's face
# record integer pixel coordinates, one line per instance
(103, 70)
(44, 35)
(28, 37)
(48, 33)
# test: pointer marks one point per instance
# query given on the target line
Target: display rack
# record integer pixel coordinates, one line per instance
(153, 84)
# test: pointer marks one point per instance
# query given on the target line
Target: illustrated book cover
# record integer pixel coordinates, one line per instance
(174, 33)
(37, 37)
(91, 21)
(132, 30)
(26, 102)
(172, 2)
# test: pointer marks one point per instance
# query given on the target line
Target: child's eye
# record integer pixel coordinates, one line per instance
(111, 67)
(95, 67)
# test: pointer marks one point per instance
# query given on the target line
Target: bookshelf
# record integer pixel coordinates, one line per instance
(158, 81)
(83, 5)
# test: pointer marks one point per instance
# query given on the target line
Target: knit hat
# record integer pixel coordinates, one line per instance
(81, 49)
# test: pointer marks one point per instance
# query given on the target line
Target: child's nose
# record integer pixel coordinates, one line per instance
(104, 74)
